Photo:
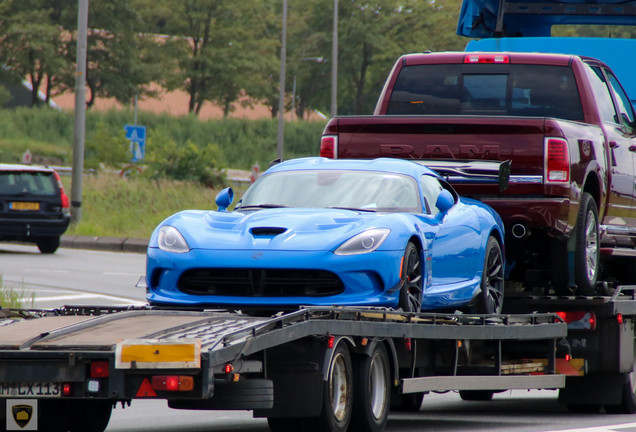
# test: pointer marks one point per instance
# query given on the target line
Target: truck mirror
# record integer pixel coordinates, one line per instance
(224, 199)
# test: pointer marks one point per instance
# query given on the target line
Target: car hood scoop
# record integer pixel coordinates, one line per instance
(289, 229)
(267, 231)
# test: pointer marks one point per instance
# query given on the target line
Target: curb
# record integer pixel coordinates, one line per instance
(111, 244)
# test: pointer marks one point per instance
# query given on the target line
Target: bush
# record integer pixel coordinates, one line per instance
(106, 148)
(183, 162)
(238, 143)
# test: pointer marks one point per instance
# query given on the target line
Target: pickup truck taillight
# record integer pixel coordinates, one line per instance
(557, 161)
(329, 146)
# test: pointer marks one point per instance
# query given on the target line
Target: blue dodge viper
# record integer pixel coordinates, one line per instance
(322, 232)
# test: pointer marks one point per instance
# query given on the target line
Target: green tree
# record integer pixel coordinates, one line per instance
(222, 48)
(122, 63)
(371, 36)
(31, 43)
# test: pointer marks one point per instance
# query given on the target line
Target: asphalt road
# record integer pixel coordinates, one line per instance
(107, 278)
(72, 276)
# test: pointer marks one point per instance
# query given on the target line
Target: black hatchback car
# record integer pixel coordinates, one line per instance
(33, 206)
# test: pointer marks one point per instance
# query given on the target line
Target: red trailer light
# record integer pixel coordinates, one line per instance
(579, 320)
(408, 344)
(330, 342)
(99, 369)
(329, 146)
(557, 161)
(172, 383)
(486, 58)
(619, 318)
(67, 390)
(229, 368)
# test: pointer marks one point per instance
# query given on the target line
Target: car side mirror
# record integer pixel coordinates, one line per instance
(445, 201)
(224, 199)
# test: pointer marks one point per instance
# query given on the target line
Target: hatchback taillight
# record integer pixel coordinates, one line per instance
(66, 204)
(329, 146)
(557, 161)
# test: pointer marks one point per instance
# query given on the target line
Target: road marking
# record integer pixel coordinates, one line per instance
(34, 296)
(120, 274)
(606, 428)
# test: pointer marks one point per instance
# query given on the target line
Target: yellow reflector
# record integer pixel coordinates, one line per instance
(158, 354)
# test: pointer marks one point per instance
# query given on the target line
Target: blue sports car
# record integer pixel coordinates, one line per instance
(322, 232)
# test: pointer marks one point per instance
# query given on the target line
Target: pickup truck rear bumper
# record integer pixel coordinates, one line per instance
(550, 214)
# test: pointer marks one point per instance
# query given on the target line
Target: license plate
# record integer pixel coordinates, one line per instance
(31, 389)
(21, 205)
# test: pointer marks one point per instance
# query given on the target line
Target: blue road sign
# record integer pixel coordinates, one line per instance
(137, 136)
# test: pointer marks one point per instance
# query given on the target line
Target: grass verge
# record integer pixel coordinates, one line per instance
(15, 297)
(133, 207)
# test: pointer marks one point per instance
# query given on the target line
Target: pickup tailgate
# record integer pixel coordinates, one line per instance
(520, 139)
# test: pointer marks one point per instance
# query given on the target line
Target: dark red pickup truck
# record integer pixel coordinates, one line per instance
(565, 124)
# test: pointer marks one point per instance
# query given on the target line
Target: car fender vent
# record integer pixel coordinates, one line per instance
(267, 231)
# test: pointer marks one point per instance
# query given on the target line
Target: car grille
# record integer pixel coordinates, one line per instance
(260, 283)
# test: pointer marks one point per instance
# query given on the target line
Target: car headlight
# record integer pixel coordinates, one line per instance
(366, 241)
(171, 240)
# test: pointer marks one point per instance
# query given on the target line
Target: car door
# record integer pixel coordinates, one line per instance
(627, 122)
(620, 198)
(455, 244)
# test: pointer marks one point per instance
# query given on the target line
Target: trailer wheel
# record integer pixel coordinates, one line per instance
(284, 424)
(491, 298)
(337, 399)
(586, 254)
(584, 409)
(628, 396)
(476, 395)
(372, 396)
(412, 282)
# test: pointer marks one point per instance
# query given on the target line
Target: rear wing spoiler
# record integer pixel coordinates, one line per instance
(471, 171)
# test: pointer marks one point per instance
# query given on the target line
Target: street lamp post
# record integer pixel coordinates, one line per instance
(79, 130)
(281, 90)
(334, 61)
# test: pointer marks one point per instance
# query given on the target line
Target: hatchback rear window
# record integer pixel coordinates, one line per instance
(27, 183)
(476, 89)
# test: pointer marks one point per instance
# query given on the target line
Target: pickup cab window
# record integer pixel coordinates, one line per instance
(602, 96)
(469, 89)
(624, 105)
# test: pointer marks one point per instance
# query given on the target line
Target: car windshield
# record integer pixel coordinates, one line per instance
(26, 183)
(356, 190)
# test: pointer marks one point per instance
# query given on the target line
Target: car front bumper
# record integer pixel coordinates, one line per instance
(370, 279)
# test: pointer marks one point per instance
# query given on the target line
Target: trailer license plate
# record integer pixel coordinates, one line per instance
(31, 389)
(29, 206)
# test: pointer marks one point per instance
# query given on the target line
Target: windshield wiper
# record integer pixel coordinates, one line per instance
(261, 206)
(354, 209)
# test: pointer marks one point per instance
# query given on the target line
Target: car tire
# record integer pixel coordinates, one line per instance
(412, 281)
(490, 300)
(586, 254)
(48, 245)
